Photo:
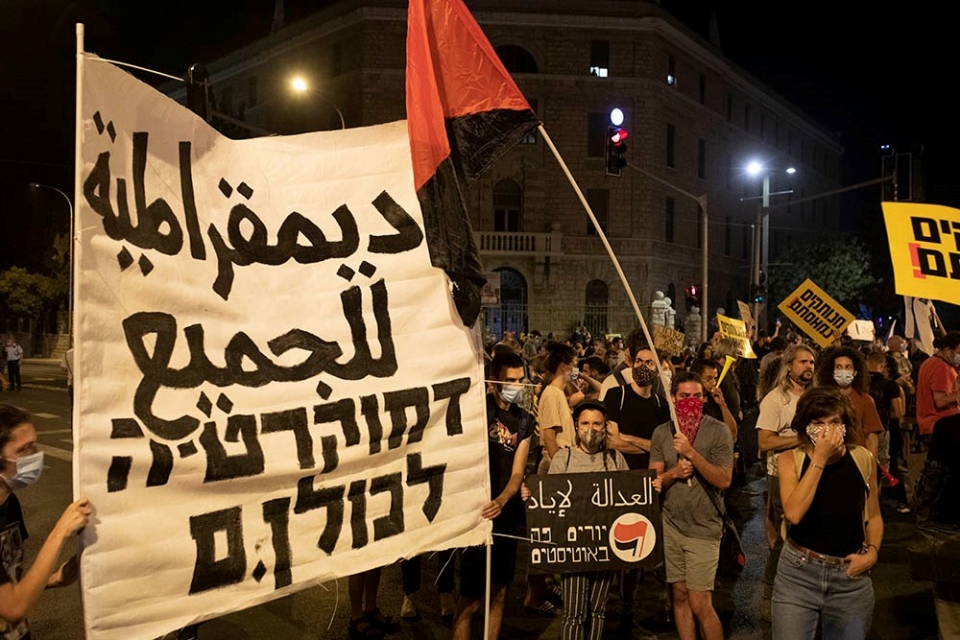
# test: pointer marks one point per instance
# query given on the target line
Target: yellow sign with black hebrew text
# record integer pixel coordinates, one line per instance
(736, 329)
(816, 313)
(924, 244)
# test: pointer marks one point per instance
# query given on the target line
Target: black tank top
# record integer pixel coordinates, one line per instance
(833, 525)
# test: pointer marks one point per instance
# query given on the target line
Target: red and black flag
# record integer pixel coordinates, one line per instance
(463, 112)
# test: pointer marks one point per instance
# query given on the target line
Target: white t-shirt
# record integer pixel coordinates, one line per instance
(776, 413)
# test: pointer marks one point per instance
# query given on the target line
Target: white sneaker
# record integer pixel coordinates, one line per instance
(408, 610)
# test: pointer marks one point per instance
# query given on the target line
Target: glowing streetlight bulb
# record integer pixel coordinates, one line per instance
(616, 117)
(298, 84)
(754, 168)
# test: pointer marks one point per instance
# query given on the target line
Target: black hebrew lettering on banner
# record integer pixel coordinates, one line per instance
(594, 521)
(263, 403)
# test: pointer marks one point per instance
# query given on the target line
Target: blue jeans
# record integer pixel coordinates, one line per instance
(806, 591)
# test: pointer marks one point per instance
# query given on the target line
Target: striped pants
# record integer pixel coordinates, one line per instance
(584, 600)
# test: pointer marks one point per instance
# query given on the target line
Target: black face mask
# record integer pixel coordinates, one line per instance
(643, 376)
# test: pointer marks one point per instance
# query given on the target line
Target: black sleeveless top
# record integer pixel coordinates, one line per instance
(833, 525)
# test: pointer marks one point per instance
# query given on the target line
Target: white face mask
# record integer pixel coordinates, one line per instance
(510, 394)
(843, 378)
(28, 471)
(814, 431)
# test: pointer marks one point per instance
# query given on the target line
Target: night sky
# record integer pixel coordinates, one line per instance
(882, 77)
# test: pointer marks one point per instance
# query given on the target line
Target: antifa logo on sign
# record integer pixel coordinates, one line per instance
(630, 536)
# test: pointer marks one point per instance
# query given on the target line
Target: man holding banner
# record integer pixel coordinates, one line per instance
(509, 428)
(692, 459)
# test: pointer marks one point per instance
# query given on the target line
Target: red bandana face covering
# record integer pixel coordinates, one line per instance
(689, 412)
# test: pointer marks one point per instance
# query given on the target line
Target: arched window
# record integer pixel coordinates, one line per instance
(511, 313)
(507, 206)
(595, 308)
(516, 59)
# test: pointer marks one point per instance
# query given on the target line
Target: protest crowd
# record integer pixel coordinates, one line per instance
(831, 429)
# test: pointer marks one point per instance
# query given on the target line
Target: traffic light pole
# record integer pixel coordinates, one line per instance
(705, 246)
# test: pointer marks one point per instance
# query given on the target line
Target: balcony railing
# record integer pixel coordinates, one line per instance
(518, 244)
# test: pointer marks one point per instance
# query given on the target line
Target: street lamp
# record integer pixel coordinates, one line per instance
(761, 230)
(37, 185)
(299, 85)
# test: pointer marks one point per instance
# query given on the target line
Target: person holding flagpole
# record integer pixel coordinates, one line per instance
(691, 459)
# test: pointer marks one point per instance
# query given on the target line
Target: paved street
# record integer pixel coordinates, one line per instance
(904, 609)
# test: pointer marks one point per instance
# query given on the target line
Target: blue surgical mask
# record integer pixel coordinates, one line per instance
(28, 471)
(510, 394)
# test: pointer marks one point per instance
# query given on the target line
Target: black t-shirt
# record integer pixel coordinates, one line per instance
(13, 533)
(833, 524)
(636, 416)
(506, 429)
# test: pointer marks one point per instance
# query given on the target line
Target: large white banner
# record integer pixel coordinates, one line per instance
(274, 388)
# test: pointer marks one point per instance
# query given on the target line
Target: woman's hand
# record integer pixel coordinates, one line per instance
(860, 563)
(829, 445)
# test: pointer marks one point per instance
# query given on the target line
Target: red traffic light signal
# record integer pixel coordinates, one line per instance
(616, 150)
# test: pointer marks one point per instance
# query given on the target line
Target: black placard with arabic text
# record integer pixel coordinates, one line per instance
(594, 521)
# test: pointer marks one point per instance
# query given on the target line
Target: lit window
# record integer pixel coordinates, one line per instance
(599, 58)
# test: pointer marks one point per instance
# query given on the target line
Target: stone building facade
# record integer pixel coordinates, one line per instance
(694, 119)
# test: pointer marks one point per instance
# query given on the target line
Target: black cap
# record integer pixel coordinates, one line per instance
(588, 404)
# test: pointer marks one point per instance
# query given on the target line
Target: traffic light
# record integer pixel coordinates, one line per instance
(616, 150)
(759, 293)
(693, 294)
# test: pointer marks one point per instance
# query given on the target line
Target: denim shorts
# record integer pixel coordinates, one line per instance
(807, 590)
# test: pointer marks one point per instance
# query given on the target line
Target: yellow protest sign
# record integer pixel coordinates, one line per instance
(736, 329)
(816, 313)
(924, 244)
(669, 340)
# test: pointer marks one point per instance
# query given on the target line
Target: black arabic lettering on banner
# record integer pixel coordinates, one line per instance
(593, 521)
(152, 339)
(158, 228)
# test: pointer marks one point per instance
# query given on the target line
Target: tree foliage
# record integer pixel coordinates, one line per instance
(30, 295)
(840, 266)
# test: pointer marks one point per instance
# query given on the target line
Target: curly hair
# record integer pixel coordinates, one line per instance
(825, 365)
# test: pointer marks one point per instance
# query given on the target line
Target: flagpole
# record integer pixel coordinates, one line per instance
(486, 598)
(74, 256)
(616, 264)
